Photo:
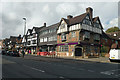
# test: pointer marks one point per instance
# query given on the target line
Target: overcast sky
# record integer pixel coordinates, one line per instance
(51, 12)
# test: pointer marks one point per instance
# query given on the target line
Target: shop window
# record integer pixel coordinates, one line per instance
(63, 48)
(87, 49)
(96, 50)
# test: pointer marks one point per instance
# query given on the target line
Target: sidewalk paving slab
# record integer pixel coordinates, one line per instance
(98, 60)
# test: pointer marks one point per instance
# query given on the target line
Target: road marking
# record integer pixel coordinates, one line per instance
(117, 75)
(61, 77)
(90, 70)
(34, 68)
(107, 73)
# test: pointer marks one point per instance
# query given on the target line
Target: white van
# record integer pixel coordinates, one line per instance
(114, 54)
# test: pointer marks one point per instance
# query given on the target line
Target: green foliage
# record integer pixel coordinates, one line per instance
(112, 29)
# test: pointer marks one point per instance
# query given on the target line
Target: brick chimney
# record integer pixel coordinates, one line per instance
(44, 24)
(69, 16)
(90, 11)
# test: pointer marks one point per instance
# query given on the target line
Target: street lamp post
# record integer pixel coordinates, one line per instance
(24, 29)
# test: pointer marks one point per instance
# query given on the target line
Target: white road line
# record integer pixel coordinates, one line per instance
(61, 77)
(107, 73)
(117, 75)
(34, 68)
(90, 70)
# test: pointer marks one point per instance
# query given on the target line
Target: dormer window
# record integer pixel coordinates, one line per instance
(88, 22)
(97, 25)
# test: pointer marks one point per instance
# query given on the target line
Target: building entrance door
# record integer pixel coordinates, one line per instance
(78, 51)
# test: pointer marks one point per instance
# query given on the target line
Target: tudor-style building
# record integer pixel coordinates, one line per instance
(80, 35)
(32, 38)
(48, 38)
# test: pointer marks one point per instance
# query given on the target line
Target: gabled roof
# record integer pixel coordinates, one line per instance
(75, 20)
(117, 34)
(51, 26)
(95, 19)
(29, 30)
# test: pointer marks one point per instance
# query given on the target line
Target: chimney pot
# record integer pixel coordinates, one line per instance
(69, 16)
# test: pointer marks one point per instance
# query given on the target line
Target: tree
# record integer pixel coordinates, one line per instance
(112, 29)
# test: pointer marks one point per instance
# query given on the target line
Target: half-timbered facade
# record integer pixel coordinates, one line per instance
(80, 35)
(48, 38)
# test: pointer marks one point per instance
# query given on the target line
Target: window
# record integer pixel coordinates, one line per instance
(106, 40)
(63, 48)
(52, 38)
(62, 25)
(41, 40)
(63, 36)
(34, 35)
(87, 35)
(96, 50)
(45, 39)
(73, 34)
(34, 42)
(116, 42)
(87, 17)
(96, 25)
(96, 37)
(88, 22)
(87, 50)
(28, 42)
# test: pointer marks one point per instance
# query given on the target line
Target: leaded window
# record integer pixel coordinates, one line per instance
(63, 48)
(87, 34)
(96, 37)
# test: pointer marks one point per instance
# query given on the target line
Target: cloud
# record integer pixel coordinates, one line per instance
(66, 8)
(112, 23)
(51, 12)
(46, 9)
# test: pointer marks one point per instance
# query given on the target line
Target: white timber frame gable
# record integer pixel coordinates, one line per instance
(33, 31)
(63, 27)
(89, 26)
(75, 27)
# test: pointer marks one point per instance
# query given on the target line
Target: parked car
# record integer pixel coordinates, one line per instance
(4, 52)
(10, 53)
(43, 53)
(114, 55)
(16, 53)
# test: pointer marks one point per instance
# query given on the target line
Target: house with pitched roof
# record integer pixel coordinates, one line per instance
(79, 35)
(32, 38)
(48, 38)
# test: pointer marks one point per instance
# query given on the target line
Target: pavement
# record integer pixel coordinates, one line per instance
(100, 59)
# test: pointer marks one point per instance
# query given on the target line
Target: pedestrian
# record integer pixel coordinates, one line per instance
(23, 52)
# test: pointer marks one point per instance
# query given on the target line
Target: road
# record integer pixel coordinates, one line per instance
(18, 67)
